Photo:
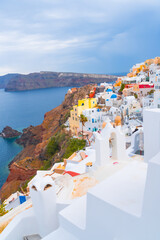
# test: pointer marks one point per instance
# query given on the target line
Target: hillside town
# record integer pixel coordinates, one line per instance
(108, 187)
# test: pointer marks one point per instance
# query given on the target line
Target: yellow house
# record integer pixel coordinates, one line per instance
(77, 111)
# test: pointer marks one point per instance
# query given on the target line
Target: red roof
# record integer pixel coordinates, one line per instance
(92, 93)
(73, 174)
(146, 85)
(129, 85)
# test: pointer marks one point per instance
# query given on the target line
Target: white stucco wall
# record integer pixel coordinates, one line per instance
(151, 133)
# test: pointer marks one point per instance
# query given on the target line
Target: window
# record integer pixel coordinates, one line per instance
(82, 104)
(73, 118)
(76, 119)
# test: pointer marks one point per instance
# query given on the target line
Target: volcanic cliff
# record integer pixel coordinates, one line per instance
(21, 82)
(35, 140)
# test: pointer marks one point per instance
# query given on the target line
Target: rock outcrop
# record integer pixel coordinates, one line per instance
(30, 81)
(9, 132)
(35, 139)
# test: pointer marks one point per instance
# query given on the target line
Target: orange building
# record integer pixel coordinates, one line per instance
(157, 60)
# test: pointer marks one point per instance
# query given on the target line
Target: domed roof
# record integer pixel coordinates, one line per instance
(117, 120)
(114, 96)
(109, 90)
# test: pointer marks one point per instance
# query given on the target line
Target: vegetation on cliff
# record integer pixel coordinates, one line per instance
(2, 210)
(61, 146)
(74, 145)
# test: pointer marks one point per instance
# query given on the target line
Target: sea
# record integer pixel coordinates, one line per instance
(20, 110)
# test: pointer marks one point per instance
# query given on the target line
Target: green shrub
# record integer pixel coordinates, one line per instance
(135, 95)
(74, 145)
(67, 115)
(122, 87)
(52, 147)
(151, 92)
(64, 144)
(46, 165)
(60, 137)
(2, 210)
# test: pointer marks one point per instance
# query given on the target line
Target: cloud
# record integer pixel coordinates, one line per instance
(6, 69)
(87, 35)
(16, 41)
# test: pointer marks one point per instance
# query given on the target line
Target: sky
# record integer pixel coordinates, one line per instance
(88, 36)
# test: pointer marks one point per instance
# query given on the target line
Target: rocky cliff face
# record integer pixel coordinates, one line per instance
(35, 139)
(5, 79)
(54, 79)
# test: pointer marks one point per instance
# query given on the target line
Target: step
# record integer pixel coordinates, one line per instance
(75, 214)
(124, 189)
(32, 237)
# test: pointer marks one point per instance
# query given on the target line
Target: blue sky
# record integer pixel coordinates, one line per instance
(92, 36)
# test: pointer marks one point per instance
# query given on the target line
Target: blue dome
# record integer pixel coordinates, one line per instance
(114, 96)
(109, 90)
(107, 100)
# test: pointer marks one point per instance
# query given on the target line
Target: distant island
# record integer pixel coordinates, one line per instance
(22, 82)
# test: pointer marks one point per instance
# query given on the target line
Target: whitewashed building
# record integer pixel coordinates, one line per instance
(95, 117)
(130, 105)
(157, 90)
(124, 205)
(148, 102)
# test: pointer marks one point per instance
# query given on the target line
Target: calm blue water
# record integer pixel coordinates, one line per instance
(19, 110)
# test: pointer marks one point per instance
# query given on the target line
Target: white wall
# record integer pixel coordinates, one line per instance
(151, 133)
(23, 224)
